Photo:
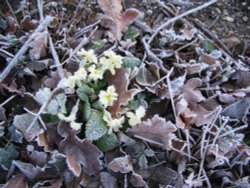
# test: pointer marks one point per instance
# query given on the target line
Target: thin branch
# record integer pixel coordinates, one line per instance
(196, 9)
(56, 58)
(24, 48)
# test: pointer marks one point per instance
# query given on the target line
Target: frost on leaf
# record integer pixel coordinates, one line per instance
(39, 45)
(121, 82)
(156, 131)
(81, 155)
(121, 164)
(96, 126)
(113, 18)
(22, 123)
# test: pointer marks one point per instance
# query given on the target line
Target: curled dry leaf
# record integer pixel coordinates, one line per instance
(121, 82)
(137, 180)
(121, 164)
(156, 131)
(113, 18)
(81, 154)
(16, 181)
(38, 46)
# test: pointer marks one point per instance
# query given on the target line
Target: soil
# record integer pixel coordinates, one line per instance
(230, 21)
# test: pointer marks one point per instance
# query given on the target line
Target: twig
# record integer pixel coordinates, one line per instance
(7, 100)
(152, 56)
(24, 48)
(196, 9)
(56, 59)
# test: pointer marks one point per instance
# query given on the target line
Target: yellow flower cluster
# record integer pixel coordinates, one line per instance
(93, 70)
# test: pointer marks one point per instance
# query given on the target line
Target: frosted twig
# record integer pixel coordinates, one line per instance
(172, 20)
(56, 59)
(234, 130)
(24, 48)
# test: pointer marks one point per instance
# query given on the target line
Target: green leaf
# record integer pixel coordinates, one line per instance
(107, 142)
(48, 118)
(86, 110)
(86, 89)
(83, 96)
(97, 105)
(207, 45)
(7, 156)
(143, 162)
(133, 105)
(130, 62)
(131, 33)
(98, 43)
(58, 104)
(96, 126)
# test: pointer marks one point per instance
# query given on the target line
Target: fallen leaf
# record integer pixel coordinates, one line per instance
(137, 180)
(156, 130)
(121, 82)
(238, 110)
(16, 181)
(7, 155)
(113, 18)
(22, 123)
(28, 24)
(121, 164)
(191, 93)
(82, 155)
(38, 46)
(108, 181)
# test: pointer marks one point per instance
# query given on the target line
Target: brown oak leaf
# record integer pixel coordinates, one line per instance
(113, 18)
(81, 155)
(156, 131)
(121, 82)
(121, 164)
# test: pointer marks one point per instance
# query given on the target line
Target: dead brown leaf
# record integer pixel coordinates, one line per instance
(121, 82)
(38, 46)
(156, 130)
(81, 155)
(113, 18)
(16, 181)
(121, 164)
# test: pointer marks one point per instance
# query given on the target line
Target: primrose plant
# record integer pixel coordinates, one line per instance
(95, 97)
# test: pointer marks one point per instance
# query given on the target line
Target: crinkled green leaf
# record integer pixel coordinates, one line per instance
(96, 126)
(129, 62)
(15, 135)
(7, 156)
(84, 92)
(58, 104)
(98, 43)
(97, 105)
(86, 110)
(131, 33)
(107, 142)
(85, 89)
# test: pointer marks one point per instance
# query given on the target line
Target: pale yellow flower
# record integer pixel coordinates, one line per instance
(135, 118)
(71, 118)
(80, 74)
(111, 61)
(68, 84)
(114, 124)
(95, 73)
(108, 97)
(89, 56)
